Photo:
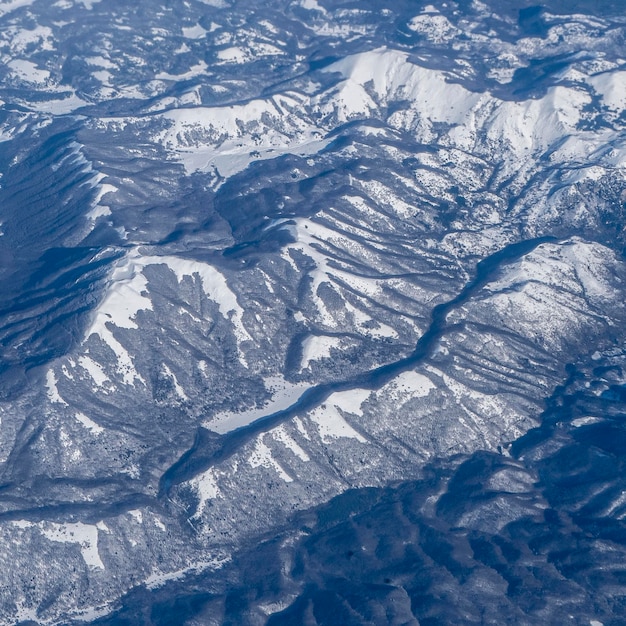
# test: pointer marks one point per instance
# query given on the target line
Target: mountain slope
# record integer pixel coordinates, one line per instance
(253, 260)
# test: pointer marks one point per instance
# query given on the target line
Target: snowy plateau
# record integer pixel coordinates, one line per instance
(312, 312)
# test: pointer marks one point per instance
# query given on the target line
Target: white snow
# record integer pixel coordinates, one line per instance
(261, 456)
(23, 39)
(409, 384)
(233, 54)
(103, 76)
(229, 138)
(312, 5)
(66, 371)
(511, 480)
(99, 210)
(28, 71)
(585, 421)
(311, 239)
(301, 429)
(85, 535)
(284, 394)
(158, 579)
(280, 434)
(93, 369)
(59, 103)
(6, 6)
(206, 487)
(590, 263)
(91, 613)
(580, 267)
(51, 386)
(215, 287)
(329, 417)
(100, 61)
(526, 129)
(198, 69)
(125, 365)
(194, 32)
(22, 524)
(316, 347)
(124, 299)
(275, 607)
(393, 77)
(89, 424)
(533, 125)
(180, 392)
(26, 614)
(612, 87)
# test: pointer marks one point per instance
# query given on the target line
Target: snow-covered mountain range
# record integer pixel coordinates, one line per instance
(272, 275)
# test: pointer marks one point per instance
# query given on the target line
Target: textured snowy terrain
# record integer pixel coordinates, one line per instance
(273, 274)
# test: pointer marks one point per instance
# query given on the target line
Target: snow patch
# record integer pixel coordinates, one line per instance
(158, 579)
(280, 434)
(585, 421)
(28, 72)
(316, 347)
(409, 384)
(207, 489)
(329, 417)
(301, 429)
(232, 55)
(124, 299)
(180, 392)
(51, 386)
(612, 87)
(85, 535)
(89, 424)
(94, 370)
(198, 69)
(312, 5)
(261, 456)
(194, 32)
(284, 395)
(91, 613)
(97, 209)
(26, 614)
(59, 103)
